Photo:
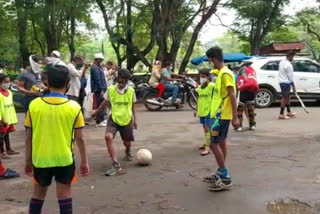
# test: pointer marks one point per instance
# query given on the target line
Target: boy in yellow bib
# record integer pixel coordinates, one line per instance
(53, 123)
(205, 91)
(9, 116)
(121, 98)
(223, 111)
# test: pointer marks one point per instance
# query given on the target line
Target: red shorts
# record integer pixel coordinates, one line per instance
(5, 130)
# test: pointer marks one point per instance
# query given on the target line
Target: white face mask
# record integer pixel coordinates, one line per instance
(203, 80)
(5, 86)
(1, 71)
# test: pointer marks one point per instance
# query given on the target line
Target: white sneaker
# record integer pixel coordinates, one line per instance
(252, 128)
(239, 129)
(102, 124)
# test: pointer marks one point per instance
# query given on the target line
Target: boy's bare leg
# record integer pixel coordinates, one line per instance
(217, 151)
(39, 192)
(64, 198)
(223, 147)
(111, 147)
(127, 144)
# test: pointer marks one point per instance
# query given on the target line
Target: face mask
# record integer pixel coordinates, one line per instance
(5, 86)
(203, 80)
(1, 71)
(79, 66)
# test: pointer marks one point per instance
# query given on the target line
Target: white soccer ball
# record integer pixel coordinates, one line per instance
(144, 157)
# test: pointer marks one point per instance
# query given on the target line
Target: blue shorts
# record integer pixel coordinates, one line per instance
(285, 89)
(220, 133)
(206, 121)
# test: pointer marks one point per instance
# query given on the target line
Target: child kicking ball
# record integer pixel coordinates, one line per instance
(121, 98)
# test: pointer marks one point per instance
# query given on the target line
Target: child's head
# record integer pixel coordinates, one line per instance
(204, 75)
(123, 77)
(58, 77)
(215, 55)
(4, 81)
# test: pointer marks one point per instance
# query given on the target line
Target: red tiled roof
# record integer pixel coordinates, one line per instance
(288, 46)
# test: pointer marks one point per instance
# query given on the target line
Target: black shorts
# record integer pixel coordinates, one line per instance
(285, 89)
(126, 132)
(220, 133)
(247, 96)
(63, 175)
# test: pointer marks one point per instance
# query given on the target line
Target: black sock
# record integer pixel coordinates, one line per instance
(65, 206)
(288, 109)
(282, 110)
(35, 206)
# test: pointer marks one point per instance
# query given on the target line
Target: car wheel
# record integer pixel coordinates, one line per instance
(264, 98)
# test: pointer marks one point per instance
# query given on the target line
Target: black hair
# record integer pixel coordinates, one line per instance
(76, 58)
(215, 52)
(124, 73)
(36, 58)
(3, 77)
(1, 65)
(205, 71)
(166, 64)
(109, 63)
(58, 76)
(291, 53)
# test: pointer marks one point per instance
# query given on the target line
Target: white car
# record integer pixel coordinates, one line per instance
(306, 75)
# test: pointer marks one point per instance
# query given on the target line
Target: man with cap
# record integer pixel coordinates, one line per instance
(98, 86)
(286, 80)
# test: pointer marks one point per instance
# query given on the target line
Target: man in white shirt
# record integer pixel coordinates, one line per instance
(286, 79)
(75, 76)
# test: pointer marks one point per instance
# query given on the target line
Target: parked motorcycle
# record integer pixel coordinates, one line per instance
(187, 93)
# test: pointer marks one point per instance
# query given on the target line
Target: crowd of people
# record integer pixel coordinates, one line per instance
(53, 100)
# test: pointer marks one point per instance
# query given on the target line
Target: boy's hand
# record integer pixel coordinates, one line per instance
(28, 169)
(235, 122)
(94, 113)
(84, 169)
(135, 125)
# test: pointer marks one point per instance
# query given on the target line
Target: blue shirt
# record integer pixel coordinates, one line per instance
(98, 79)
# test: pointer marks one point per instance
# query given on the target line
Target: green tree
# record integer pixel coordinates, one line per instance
(256, 19)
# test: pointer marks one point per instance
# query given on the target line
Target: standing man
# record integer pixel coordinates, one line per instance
(75, 76)
(29, 82)
(223, 111)
(98, 87)
(286, 79)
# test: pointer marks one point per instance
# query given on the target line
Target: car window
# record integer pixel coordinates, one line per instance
(305, 66)
(271, 66)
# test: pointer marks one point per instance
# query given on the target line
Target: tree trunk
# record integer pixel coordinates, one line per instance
(22, 31)
(72, 47)
(50, 26)
(195, 35)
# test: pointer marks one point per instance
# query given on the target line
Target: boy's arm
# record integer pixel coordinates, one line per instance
(84, 167)
(102, 106)
(28, 159)
(235, 120)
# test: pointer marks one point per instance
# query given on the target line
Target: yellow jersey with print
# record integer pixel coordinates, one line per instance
(227, 80)
(53, 119)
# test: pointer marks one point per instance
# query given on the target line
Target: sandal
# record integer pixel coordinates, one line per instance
(205, 152)
(9, 174)
(4, 156)
(12, 152)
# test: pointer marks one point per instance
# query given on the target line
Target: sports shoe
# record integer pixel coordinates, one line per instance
(292, 115)
(102, 124)
(221, 184)
(160, 100)
(283, 117)
(213, 177)
(115, 168)
(252, 128)
(240, 129)
(128, 156)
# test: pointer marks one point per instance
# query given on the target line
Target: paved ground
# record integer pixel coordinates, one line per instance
(279, 160)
